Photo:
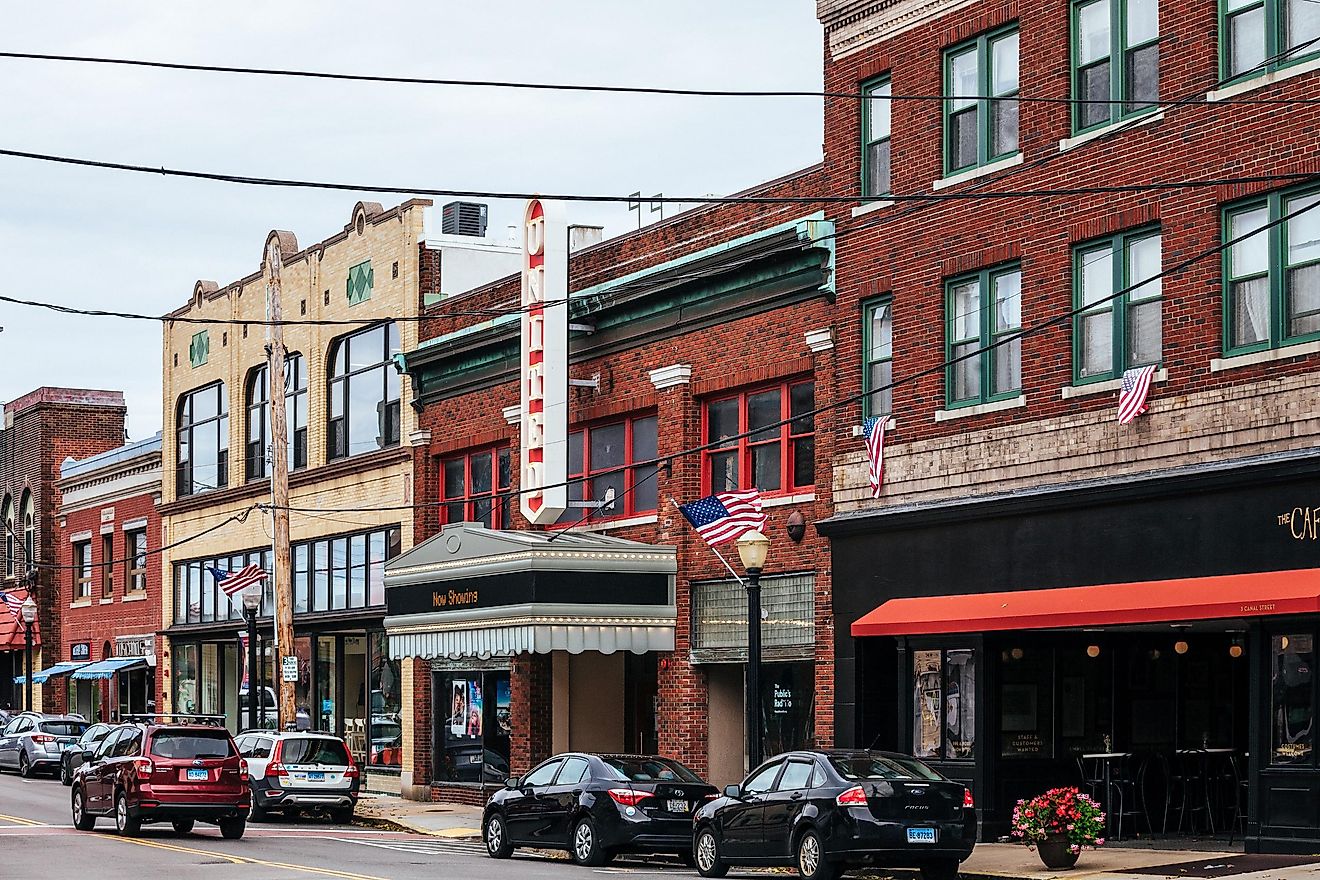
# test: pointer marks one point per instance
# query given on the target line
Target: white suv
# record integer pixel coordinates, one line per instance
(295, 770)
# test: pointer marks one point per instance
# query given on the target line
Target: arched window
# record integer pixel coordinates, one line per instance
(203, 440)
(258, 416)
(364, 392)
(7, 520)
(29, 532)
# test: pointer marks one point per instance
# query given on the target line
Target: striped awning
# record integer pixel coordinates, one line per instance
(40, 676)
(506, 641)
(108, 668)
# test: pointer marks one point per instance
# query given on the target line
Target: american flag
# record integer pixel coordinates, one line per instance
(873, 429)
(1132, 398)
(13, 604)
(726, 515)
(234, 581)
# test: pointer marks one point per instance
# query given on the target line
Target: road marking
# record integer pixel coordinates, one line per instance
(246, 860)
(21, 821)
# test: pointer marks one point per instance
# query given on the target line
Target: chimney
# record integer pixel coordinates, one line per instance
(580, 237)
(463, 218)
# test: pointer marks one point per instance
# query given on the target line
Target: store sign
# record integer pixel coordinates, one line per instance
(544, 374)
(529, 588)
(80, 651)
(288, 668)
(135, 646)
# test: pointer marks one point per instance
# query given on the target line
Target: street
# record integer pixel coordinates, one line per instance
(40, 841)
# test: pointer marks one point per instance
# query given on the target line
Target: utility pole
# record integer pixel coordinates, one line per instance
(279, 481)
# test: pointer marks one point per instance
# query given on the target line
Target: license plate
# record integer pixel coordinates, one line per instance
(921, 835)
(677, 806)
(316, 776)
(198, 775)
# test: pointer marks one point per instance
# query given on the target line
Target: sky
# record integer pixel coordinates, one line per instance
(109, 239)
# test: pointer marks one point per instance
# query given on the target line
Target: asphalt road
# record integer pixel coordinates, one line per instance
(38, 840)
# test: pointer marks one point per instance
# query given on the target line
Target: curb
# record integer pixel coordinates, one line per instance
(386, 824)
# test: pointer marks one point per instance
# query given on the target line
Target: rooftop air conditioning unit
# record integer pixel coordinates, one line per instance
(463, 218)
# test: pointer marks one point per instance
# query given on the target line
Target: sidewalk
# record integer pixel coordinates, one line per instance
(989, 861)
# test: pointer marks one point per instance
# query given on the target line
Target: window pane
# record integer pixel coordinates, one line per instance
(1004, 65)
(804, 461)
(575, 452)
(764, 409)
(882, 332)
(881, 375)
(1302, 25)
(801, 402)
(1097, 270)
(1250, 311)
(1008, 367)
(338, 573)
(962, 139)
(960, 704)
(644, 438)
(480, 469)
(301, 581)
(1143, 21)
(1093, 32)
(1292, 659)
(877, 109)
(366, 349)
(1303, 230)
(1144, 333)
(607, 447)
(454, 478)
(505, 459)
(455, 513)
(1246, 40)
(927, 703)
(1005, 116)
(205, 405)
(723, 471)
(600, 487)
(1008, 301)
(1094, 86)
(966, 310)
(877, 169)
(1304, 300)
(721, 420)
(1144, 263)
(1251, 256)
(766, 471)
(964, 79)
(1143, 78)
(357, 576)
(1097, 344)
(320, 576)
(966, 373)
(376, 570)
(365, 393)
(645, 491)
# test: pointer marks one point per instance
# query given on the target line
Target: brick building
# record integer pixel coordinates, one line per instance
(1042, 583)
(110, 586)
(41, 429)
(624, 632)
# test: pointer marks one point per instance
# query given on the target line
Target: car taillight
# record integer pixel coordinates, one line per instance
(144, 768)
(242, 770)
(352, 771)
(273, 769)
(43, 738)
(853, 797)
(968, 801)
(626, 797)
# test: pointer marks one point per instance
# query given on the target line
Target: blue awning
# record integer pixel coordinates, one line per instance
(40, 676)
(108, 668)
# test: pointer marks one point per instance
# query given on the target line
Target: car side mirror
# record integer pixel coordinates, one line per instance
(733, 791)
(87, 756)
(511, 782)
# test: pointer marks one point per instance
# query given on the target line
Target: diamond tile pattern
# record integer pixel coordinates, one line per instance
(358, 286)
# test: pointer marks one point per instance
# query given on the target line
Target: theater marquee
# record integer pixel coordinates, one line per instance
(544, 459)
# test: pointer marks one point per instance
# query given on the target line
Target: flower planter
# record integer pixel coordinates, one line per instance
(1056, 851)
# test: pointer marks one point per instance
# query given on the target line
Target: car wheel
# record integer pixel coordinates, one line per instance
(706, 854)
(82, 820)
(24, 767)
(498, 845)
(257, 813)
(232, 829)
(944, 870)
(811, 863)
(182, 826)
(66, 776)
(125, 825)
(585, 847)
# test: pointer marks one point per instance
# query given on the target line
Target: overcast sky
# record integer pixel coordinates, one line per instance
(108, 239)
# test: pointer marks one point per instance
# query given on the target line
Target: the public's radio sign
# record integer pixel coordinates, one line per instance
(544, 470)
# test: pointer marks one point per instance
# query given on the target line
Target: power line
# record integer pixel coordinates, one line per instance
(241, 516)
(589, 87)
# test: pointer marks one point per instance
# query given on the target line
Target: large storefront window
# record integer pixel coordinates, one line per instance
(386, 734)
(944, 704)
(474, 715)
(1292, 699)
(1026, 703)
(185, 678)
(788, 704)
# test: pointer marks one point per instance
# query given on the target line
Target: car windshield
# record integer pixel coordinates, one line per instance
(63, 728)
(191, 744)
(314, 750)
(883, 767)
(648, 770)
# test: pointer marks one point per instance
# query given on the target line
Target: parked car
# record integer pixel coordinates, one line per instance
(150, 772)
(824, 812)
(32, 741)
(296, 770)
(72, 757)
(596, 806)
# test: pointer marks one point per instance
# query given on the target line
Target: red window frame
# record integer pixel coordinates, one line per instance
(500, 496)
(787, 436)
(584, 478)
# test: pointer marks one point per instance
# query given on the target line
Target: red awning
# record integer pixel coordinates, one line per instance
(11, 624)
(1207, 598)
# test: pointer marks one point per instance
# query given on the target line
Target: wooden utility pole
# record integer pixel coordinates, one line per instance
(279, 483)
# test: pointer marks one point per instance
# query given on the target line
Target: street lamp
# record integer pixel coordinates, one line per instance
(29, 613)
(753, 547)
(251, 602)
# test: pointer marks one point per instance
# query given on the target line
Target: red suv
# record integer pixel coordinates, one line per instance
(174, 773)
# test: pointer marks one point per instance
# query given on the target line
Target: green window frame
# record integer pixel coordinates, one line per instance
(878, 356)
(359, 282)
(1272, 278)
(1258, 36)
(975, 320)
(1115, 58)
(199, 349)
(1121, 332)
(876, 130)
(977, 129)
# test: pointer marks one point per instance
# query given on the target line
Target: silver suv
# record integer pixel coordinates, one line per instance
(32, 741)
(292, 771)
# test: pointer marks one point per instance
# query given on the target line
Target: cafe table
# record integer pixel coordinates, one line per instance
(1106, 760)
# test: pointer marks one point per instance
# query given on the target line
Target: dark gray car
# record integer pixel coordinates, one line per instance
(33, 742)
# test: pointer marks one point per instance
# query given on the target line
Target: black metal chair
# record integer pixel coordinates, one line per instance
(1092, 776)
(1192, 774)
(1127, 780)
(1237, 823)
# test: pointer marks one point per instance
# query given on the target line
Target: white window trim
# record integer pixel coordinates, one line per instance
(890, 424)
(1068, 392)
(1219, 365)
(644, 520)
(1265, 79)
(134, 525)
(973, 173)
(135, 596)
(870, 207)
(79, 537)
(1069, 143)
(980, 409)
(784, 500)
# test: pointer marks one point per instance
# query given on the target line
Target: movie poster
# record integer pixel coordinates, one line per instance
(502, 717)
(474, 708)
(459, 709)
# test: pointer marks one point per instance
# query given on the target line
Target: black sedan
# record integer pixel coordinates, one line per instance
(596, 806)
(824, 812)
(72, 758)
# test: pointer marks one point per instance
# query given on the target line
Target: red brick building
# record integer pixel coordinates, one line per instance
(110, 584)
(41, 429)
(1154, 588)
(625, 633)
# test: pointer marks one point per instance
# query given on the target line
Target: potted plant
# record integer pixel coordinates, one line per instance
(1057, 824)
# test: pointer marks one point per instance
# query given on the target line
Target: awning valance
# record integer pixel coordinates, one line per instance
(1205, 598)
(40, 676)
(506, 641)
(108, 668)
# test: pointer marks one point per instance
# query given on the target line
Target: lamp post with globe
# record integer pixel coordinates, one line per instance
(753, 547)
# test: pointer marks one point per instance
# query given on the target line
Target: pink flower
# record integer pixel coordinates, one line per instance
(1099, 841)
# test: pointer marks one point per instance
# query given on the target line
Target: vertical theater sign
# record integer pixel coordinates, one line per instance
(544, 459)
